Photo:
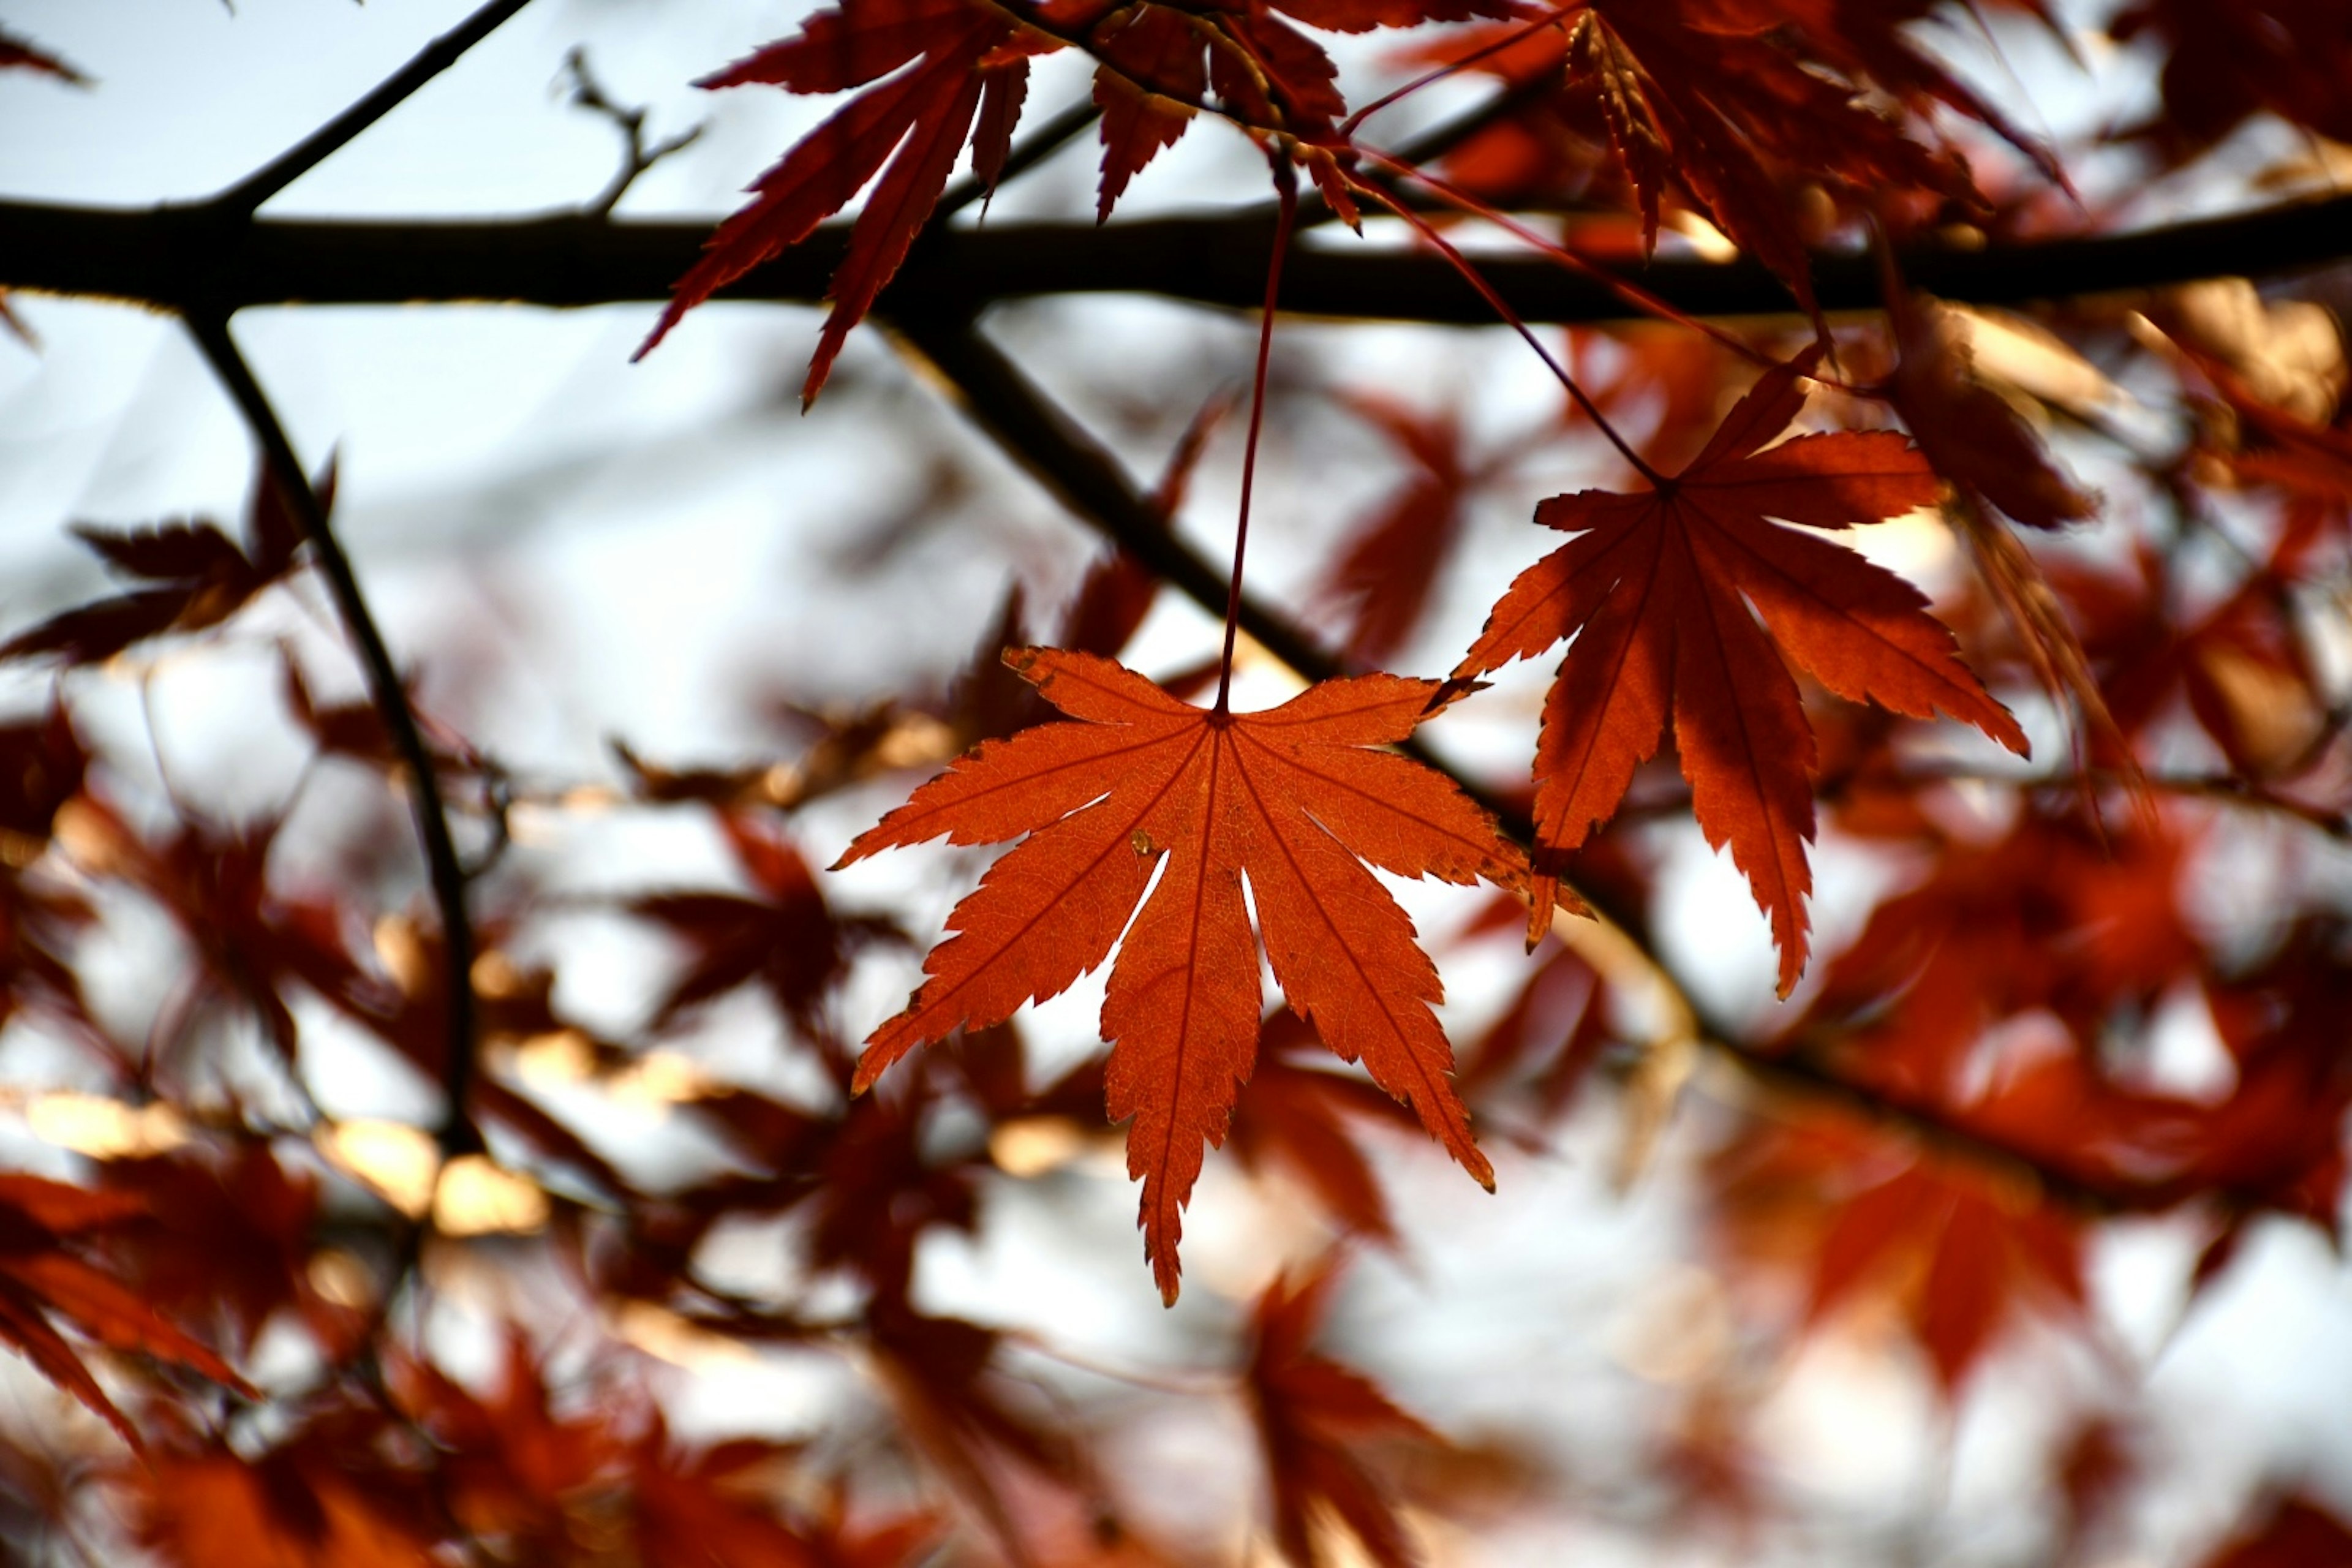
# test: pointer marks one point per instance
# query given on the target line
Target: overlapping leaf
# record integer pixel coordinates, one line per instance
(961, 70)
(948, 55)
(1965, 1255)
(41, 1223)
(1662, 589)
(198, 577)
(1314, 1417)
(1746, 111)
(1297, 799)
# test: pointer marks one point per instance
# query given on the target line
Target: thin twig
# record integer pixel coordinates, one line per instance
(242, 198)
(456, 1133)
(588, 93)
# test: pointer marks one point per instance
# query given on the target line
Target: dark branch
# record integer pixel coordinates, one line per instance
(172, 257)
(458, 1133)
(323, 143)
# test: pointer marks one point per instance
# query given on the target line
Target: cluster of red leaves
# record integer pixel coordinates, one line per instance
(43, 1225)
(1961, 1255)
(1746, 113)
(2222, 64)
(1656, 591)
(963, 73)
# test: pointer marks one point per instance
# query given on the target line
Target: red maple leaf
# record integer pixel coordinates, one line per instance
(961, 69)
(1964, 1255)
(200, 577)
(1297, 799)
(916, 122)
(2226, 63)
(1314, 1415)
(1662, 590)
(2298, 1533)
(40, 1276)
(1380, 585)
(784, 937)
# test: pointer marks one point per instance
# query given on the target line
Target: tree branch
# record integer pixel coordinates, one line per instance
(323, 143)
(456, 1134)
(172, 257)
(1028, 424)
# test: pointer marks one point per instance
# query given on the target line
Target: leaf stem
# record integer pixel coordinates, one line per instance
(1287, 182)
(456, 1134)
(1471, 276)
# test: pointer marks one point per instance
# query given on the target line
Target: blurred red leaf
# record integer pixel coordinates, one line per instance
(43, 1225)
(205, 578)
(1315, 1418)
(2296, 1532)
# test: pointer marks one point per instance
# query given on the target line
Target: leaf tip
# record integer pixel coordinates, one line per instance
(1452, 690)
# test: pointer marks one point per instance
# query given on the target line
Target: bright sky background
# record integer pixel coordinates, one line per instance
(583, 548)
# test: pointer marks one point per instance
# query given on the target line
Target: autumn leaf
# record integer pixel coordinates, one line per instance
(2297, 1530)
(2224, 64)
(1379, 586)
(784, 936)
(198, 577)
(916, 122)
(1965, 1255)
(217, 1510)
(1300, 1118)
(1663, 591)
(1296, 799)
(1314, 1414)
(40, 1278)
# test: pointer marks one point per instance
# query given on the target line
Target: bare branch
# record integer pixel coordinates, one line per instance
(323, 143)
(588, 93)
(456, 1134)
(170, 257)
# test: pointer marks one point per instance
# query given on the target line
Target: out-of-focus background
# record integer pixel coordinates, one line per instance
(570, 549)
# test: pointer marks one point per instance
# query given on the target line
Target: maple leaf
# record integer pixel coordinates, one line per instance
(786, 937)
(1312, 1415)
(1662, 591)
(1962, 1253)
(958, 51)
(1298, 1116)
(2054, 920)
(1380, 585)
(2225, 63)
(224, 1240)
(214, 1508)
(200, 576)
(40, 1276)
(1294, 798)
(1740, 108)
